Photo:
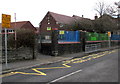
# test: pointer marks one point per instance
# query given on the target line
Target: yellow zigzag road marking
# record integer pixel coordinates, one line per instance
(80, 59)
(38, 73)
(66, 66)
(8, 74)
(36, 70)
(76, 60)
(84, 59)
(13, 73)
(41, 73)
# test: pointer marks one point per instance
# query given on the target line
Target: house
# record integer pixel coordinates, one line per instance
(20, 25)
(61, 22)
(54, 20)
(37, 30)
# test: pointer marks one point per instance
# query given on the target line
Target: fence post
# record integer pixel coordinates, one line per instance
(54, 46)
(83, 40)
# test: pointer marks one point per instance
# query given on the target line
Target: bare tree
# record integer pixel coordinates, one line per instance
(118, 7)
(100, 8)
(103, 8)
(111, 10)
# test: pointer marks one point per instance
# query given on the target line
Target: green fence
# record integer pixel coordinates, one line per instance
(90, 36)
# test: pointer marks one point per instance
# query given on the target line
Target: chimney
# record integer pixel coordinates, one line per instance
(82, 16)
(96, 16)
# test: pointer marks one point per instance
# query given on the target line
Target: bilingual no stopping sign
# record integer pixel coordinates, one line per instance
(6, 20)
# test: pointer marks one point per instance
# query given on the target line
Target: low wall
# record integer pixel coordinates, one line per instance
(23, 53)
(46, 48)
(69, 48)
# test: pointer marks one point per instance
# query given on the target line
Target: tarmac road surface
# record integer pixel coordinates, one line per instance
(97, 67)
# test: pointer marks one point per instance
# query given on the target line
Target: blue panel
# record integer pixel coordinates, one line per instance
(69, 36)
(115, 37)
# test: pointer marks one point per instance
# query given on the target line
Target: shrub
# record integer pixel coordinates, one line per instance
(25, 38)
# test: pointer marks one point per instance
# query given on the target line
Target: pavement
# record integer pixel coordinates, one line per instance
(45, 59)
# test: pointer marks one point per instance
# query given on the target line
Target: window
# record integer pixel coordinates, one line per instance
(61, 25)
(7, 30)
(3, 31)
(10, 30)
(48, 21)
(48, 28)
(48, 18)
(47, 37)
(57, 22)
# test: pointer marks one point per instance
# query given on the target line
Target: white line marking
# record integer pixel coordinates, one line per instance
(65, 76)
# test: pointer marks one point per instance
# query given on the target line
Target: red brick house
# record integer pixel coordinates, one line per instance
(23, 24)
(54, 20)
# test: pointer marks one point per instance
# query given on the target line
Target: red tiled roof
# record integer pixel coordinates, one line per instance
(18, 24)
(78, 18)
(62, 18)
(37, 29)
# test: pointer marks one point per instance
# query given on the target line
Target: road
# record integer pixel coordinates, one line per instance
(97, 67)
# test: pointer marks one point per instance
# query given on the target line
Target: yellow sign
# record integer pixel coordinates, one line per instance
(6, 20)
(109, 34)
(61, 32)
(48, 28)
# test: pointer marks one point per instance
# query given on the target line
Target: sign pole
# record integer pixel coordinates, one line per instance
(109, 35)
(6, 47)
(109, 42)
(6, 20)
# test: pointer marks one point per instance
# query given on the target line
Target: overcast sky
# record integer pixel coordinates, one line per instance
(35, 10)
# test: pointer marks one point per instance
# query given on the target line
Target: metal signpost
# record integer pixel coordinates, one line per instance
(6, 20)
(109, 35)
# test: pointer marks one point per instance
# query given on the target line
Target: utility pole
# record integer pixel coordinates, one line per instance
(15, 32)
